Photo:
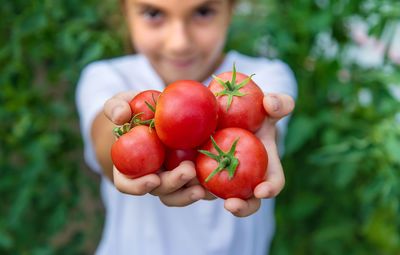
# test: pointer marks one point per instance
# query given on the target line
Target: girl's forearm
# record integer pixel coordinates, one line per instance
(103, 139)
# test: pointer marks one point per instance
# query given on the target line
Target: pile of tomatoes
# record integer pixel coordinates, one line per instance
(212, 126)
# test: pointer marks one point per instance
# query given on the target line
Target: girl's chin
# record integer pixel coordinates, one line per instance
(176, 75)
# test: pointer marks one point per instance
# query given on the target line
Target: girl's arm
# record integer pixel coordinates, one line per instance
(103, 139)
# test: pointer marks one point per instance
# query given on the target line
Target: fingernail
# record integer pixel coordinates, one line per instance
(116, 112)
(194, 197)
(150, 185)
(275, 103)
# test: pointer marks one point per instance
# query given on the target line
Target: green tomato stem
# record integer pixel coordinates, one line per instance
(118, 131)
(231, 89)
(226, 160)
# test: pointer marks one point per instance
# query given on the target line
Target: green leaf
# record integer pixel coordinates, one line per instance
(301, 130)
(212, 155)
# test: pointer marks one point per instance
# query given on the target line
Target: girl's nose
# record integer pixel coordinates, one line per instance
(178, 38)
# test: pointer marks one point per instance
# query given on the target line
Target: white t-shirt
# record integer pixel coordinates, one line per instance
(143, 225)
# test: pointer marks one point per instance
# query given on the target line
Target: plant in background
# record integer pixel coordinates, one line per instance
(44, 45)
(342, 158)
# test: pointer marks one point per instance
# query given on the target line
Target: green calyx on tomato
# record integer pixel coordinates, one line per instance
(135, 121)
(149, 122)
(118, 131)
(230, 87)
(226, 160)
(154, 101)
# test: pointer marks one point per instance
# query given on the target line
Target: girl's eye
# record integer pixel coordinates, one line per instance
(152, 15)
(204, 13)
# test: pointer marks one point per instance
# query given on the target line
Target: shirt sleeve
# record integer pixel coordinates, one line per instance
(98, 82)
(278, 78)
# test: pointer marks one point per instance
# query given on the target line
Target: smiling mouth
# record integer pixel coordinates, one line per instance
(181, 63)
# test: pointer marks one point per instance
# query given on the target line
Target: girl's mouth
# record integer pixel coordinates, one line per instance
(181, 63)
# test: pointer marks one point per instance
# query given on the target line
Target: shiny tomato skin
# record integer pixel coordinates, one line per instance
(138, 104)
(245, 111)
(186, 114)
(174, 157)
(252, 168)
(138, 152)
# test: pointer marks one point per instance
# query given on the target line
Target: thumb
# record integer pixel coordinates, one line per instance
(117, 108)
(278, 106)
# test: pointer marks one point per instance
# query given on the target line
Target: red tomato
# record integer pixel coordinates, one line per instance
(186, 114)
(249, 155)
(174, 157)
(138, 152)
(246, 109)
(138, 104)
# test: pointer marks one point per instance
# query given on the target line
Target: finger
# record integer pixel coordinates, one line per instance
(138, 186)
(270, 188)
(242, 208)
(195, 181)
(267, 132)
(209, 196)
(117, 108)
(184, 196)
(275, 177)
(175, 179)
(278, 105)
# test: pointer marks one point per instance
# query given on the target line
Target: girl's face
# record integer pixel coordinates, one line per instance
(183, 39)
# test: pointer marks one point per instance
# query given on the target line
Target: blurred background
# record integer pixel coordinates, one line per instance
(342, 160)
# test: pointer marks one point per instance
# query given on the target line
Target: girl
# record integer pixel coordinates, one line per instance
(169, 212)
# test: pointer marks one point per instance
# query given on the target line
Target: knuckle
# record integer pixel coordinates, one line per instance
(172, 185)
(172, 182)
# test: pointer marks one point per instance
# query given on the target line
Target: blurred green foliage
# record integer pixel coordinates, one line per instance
(342, 160)
(342, 156)
(44, 46)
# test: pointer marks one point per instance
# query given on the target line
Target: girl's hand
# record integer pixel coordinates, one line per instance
(277, 106)
(178, 187)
